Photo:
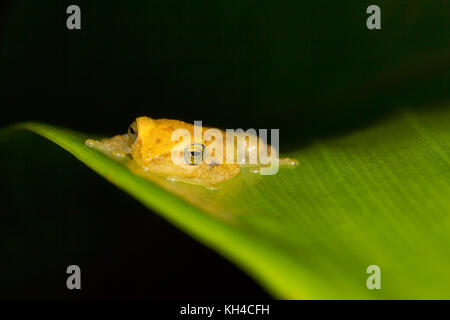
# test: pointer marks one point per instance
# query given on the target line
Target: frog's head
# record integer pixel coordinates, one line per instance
(152, 145)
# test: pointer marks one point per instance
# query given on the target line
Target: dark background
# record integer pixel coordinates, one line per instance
(310, 68)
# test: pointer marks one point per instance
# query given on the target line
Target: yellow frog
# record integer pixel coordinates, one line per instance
(153, 143)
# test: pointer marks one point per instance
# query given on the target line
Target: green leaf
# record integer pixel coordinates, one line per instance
(377, 196)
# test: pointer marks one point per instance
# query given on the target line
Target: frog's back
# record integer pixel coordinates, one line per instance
(172, 125)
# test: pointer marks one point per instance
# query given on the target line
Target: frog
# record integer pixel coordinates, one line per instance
(152, 143)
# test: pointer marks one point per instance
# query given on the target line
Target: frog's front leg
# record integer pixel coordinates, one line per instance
(193, 181)
(210, 176)
(117, 146)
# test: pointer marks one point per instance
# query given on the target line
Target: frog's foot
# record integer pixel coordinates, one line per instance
(193, 181)
(255, 168)
(285, 162)
(288, 162)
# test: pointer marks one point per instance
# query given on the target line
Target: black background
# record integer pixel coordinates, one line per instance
(311, 69)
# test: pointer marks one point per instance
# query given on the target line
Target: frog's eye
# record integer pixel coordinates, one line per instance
(132, 133)
(194, 153)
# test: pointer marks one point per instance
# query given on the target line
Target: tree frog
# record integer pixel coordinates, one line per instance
(150, 143)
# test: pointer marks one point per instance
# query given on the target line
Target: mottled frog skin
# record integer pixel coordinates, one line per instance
(149, 143)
